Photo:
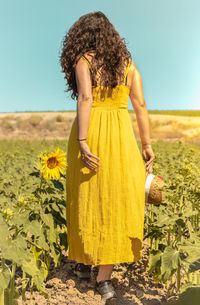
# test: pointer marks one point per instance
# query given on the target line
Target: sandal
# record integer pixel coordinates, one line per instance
(106, 289)
(82, 271)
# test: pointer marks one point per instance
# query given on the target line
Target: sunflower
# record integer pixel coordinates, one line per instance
(52, 164)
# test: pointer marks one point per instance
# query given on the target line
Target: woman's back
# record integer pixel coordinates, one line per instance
(124, 78)
(107, 97)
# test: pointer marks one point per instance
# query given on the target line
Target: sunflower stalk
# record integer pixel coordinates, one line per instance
(179, 267)
(168, 236)
(23, 285)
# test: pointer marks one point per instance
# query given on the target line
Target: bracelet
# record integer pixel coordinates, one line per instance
(146, 144)
(81, 139)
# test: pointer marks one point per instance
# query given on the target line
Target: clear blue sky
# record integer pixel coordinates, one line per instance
(163, 37)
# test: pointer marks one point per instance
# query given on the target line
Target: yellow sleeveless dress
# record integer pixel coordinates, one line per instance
(105, 208)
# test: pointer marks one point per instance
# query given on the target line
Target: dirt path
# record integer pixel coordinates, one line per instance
(131, 282)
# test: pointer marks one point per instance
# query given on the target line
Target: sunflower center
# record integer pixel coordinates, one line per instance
(52, 162)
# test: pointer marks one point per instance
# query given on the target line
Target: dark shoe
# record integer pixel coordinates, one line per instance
(106, 289)
(82, 271)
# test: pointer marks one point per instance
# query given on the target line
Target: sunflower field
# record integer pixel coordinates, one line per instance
(33, 231)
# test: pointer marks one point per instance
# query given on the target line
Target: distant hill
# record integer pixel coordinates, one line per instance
(175, 112)
(57, 125)
(195, 113)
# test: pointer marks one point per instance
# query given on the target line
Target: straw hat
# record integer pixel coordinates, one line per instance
(153, 192)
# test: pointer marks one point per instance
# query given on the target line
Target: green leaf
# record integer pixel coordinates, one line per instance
(154, 260)
(57, 184)
(41, 242)
(166, 220)
(192, 249)
(5, 277)
(34, 227)
(170, 260)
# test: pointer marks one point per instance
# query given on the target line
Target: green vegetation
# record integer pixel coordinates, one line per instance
(173, 228)
(33, 228)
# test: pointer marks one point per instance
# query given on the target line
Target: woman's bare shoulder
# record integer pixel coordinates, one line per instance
(133, 75)
(132, 66)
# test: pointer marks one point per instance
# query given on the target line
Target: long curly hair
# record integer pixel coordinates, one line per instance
(93, 32)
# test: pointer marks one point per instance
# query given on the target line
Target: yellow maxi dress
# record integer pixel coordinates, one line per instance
(105, 208)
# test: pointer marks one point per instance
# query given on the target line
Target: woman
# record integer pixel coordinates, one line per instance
(105, 175)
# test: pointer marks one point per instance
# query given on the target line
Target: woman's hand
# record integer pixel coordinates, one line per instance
(86, 156)
(148, 156)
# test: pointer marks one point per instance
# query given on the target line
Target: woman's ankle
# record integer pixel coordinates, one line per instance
(102, 279)
(104, 273)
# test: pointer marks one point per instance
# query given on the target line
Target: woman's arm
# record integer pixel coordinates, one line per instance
(84, 100)
(84, 105)
(139, 105)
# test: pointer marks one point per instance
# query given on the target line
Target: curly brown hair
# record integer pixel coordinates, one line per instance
(93, 32)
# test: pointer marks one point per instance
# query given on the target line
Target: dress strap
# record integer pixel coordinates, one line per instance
(89, 64)
(126, 73)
